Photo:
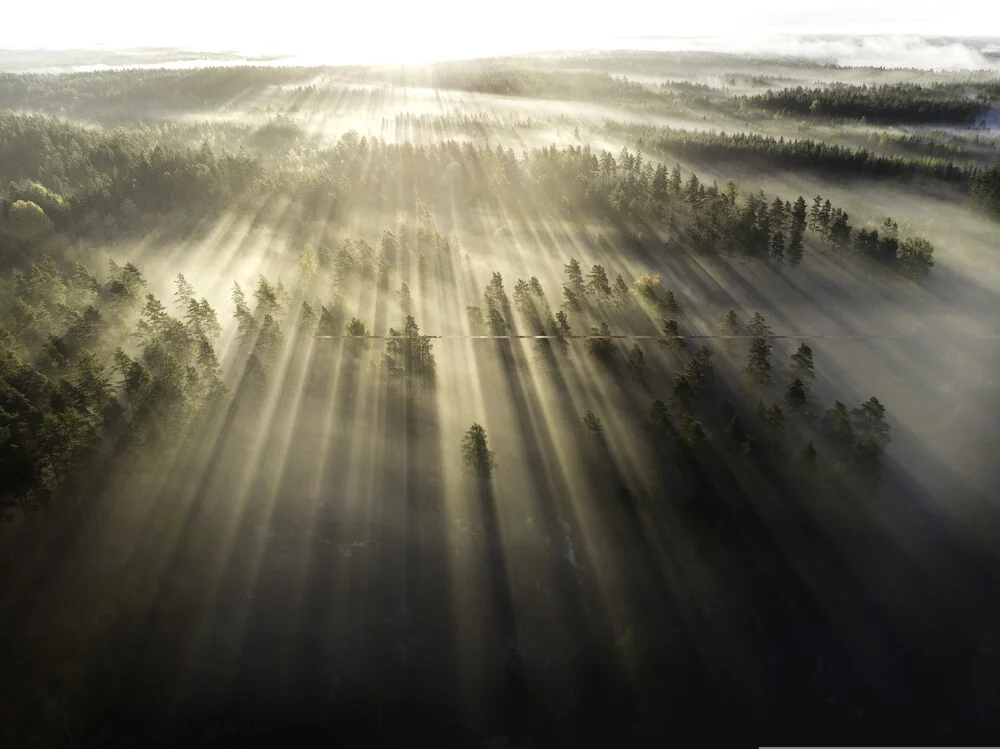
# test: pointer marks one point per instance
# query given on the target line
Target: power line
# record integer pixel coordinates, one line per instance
(835, 336)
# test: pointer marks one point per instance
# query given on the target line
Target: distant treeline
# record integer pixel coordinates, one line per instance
(73, 182)
(158, 90)
(897, 102)
(142, 91)
(798, 153)
(978, 182)
(981, 145)
(508, 81)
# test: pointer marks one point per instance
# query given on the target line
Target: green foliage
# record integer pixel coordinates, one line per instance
(758, 362)
(597, 283)
(308, 265)
(730, 324)
(693, 434)
(409, 356)
(777, 247)
(915, 258)
(600, 345)
(184, 293)
(620, 290)
(571, 300)
(64, 413)
(670, 304)
(698, 371)
(356, 328)
(650, 288)
(497, 303)
(802, 364)
(562, 325)
(892, 102)
(984, 190)
(26, 220)
(672, 336)
(869, 421)
(795, 246)
(574, 278)
(152, 180)
(479, 459)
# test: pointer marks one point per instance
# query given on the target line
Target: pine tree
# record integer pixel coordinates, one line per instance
(698, 371)
(574, 278)
(799, 214)
(840, 230)
(636, 362)
(795, 247)
(802, 363)
(814, 213)
(620, 289)
(825, 215)
(598, 282)
(838, 428)
(185, 291)
(729, 325)
(758, 364)
(600, 345)
(354, 327)
(692, 432)
(758, 326)
(776, 216)
(479, 459)
(869, 421)
(660, 183)
(777, 249)
(536, 287)
(692, 192)
(571, 300)
(676, 180)
(796, 396)
(670, 304)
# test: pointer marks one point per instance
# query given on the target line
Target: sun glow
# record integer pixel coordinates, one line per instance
(398, 31)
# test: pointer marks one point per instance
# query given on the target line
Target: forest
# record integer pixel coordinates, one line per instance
(902, 102)
(524, 402)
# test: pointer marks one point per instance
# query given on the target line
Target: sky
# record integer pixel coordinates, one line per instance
(403, 30)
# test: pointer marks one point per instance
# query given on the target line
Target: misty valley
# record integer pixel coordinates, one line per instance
(555, 400)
